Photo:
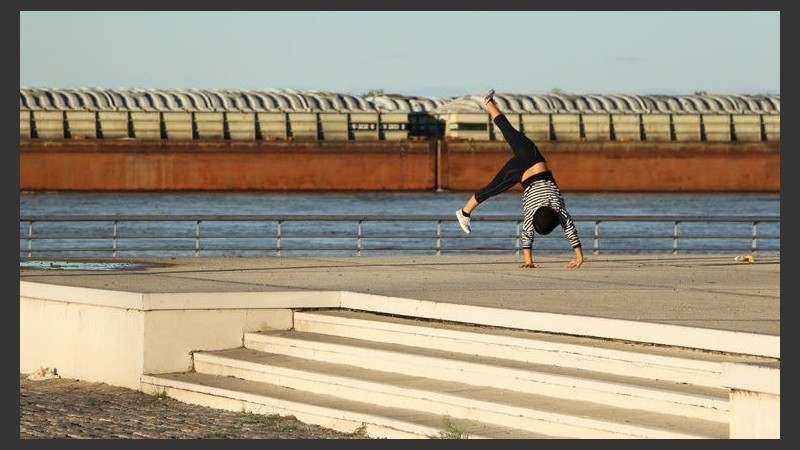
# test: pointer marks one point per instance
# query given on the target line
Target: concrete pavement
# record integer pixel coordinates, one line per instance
(711, 292)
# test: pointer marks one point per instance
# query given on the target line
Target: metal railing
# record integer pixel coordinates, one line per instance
(284, 235)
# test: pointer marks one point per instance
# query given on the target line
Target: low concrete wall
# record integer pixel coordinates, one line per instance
(648, 333)
(755, 400)
(116, 337)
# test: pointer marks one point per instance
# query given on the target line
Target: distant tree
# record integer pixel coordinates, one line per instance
(556, 91)
(373, 93)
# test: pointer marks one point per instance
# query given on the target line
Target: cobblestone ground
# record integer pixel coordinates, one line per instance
(62, 408)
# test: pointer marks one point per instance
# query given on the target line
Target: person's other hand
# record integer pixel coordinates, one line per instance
(575, 263)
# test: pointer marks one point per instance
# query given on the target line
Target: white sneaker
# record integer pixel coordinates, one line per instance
(463, 221)
(489, 96)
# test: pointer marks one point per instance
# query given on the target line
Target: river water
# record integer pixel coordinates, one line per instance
(432, 203)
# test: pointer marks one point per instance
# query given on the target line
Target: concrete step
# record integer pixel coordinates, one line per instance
(349, 416)
(680, 365)
(699, 402)
(493, 406)
(401, 377)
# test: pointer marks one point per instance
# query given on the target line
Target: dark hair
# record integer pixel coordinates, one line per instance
(545, 220)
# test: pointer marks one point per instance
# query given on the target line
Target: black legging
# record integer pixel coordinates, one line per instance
(526, 154)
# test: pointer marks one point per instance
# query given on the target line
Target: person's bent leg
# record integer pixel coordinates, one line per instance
(509, 175)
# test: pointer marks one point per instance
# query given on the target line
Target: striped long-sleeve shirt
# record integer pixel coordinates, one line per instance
(546, 193)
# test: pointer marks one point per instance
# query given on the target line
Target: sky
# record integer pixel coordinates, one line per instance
(411, 53)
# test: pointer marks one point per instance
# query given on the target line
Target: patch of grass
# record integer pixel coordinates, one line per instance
(360, 431)
(273, 422)
(451, 431)
(215, 435)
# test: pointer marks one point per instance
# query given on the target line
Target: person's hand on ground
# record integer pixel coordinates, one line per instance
(575, 263)
(578, 259)
(529, 265)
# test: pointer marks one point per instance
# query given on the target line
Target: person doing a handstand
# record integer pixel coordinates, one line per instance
(542, 202)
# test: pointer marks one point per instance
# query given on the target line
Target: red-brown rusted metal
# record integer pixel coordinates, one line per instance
(130, 165)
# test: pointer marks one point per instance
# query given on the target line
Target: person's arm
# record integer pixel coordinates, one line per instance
(527, 238)
(571, 233)
(527, 255)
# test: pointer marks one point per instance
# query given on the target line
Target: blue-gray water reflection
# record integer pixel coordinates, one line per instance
(618, 237)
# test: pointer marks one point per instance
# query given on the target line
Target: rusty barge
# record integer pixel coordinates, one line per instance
(144, 140)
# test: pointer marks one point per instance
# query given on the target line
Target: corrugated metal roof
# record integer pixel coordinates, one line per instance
(287, 100)
(401, 103)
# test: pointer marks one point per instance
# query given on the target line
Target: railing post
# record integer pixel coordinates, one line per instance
(596, 238)
(675, 237)
(197, 238)
(114, 238)
(438, 237)
(30, 239)
(278, 239)
(753, 243)
(358, 237)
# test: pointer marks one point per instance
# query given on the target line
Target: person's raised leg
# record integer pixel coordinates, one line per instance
(520, 144)
(491, 105)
